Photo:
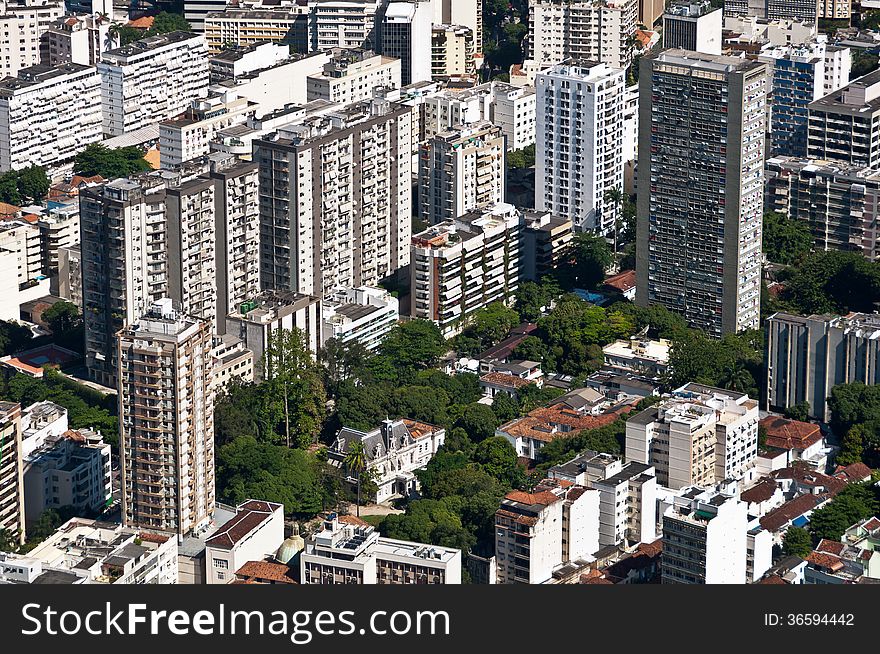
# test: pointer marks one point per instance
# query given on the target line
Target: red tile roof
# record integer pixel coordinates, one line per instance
(830, 547)
(622, 281)
(142, 23)
(790, 434)
(810, 478)
(760, 492)
(503, 379)
(251, 515)
(419, 429)
(353, 520)
(265, 571)
(545, 498)
(827, 561)
(795, 508)
(854, 472)
(772, 580)
(153, 538)
(538, 424)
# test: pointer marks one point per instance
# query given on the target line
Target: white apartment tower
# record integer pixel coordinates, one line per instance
(700, 436)
(705, 537)
(693, 26)
(514, 110)
(152, 80)
(23, 24)
(48, 114)
(589, 30)
(462, 12)
(343, 24)
(579, 151)
(79, 40)
(335, 197)
(11, 471)
(404, 34)
(166, 421)
(460, 170)
(352, 75)
(452, 51)
(700, 188)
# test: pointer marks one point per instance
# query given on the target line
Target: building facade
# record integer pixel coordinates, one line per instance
(352, 75)
(23, 26)
(11, 472)
(452, 51)
(700, 188)
(845, 125)
(693, 26)
(362, 315)
(404, 31)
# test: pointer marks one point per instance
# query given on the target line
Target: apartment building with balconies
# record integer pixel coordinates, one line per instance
(166, 421)
(335, 198)
(452, 51)
(151, 80)
(460, 266)
(579, 150)
(23, 28)
(79, 40)
(11, 471)
(352, 75)
(514, 110)
(461, 170)
(699, 436)
(700, 188)
(344, 23)
(48, 114)
(286, 25)
(362, 315)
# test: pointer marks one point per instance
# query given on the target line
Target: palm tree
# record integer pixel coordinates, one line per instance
(614, 198)
(356, 462)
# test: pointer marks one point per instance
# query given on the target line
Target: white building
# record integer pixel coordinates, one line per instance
(838, 65)
(349, 551)
(48, 114)
(579, 152)
(254, 321)
(235, 62)
(343, 24)
(287, 25)
(403, 33)
(461, 170)
(393, 451)
(693, 26)
(627, 495)
(347, 223)
(23, 25)
(20, 244)
(468, 13)
(705, 536)
(79, 40)
(352, 75)
(587, 30)
(167, 463)
(362, 315)
(189, 136)
(514, 111)
(254, 534)
(537, 533)
(42, 423)
(86, 551)
(11, 473)
(59, 229)
(71, 469)
(452, 51)
(461, 265)
(638, 354)
(699, 436)
(151, 80)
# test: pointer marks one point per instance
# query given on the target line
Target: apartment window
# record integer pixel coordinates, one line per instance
(222, 564)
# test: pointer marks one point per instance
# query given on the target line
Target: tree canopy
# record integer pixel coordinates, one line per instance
(833, 282)
(109, 163)
(29, 184)
(584, 263)
(854, 503)
(785, 239)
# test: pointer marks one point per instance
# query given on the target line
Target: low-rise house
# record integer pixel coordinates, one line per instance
(763, 497)
(639, 354)
(255, 533)
(394, 451)
(794, 513)
(623, 283)
(264, 572)
(510, 380)
(802, 441)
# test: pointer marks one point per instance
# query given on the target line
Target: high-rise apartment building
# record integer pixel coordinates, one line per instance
(344, 24)
(461, 170)
(579, 151)
(452, 51)
(514, 110)
(79, 40)
(23, 25)
(693, 26)
(196, 12)
(774, 10)
(700, 188)
(462, 12)
(352, 76)
(705, 535)
(835, 9)
(166, 421)
(838, 66)
(335, 197)
(700, 436)
(845, 125)
(807, 356)
(249, 27)
(404, 32)
(588, 30)
(797, 78)
(191, 237)
(459, 266)
(840, 202)
(11, 471)
(151, 80)
(537, 533)
(48, 114)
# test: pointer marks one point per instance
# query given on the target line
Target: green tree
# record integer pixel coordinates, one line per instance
(9, 192)
(531, 299)
(356, 462)
(492, 323)
(584, 263)
(362, 406)
(479, 421)
(497, 457)
(109, 163)
(834, 282)
(852, 448)
(8, 540)
(797, 542)
(62, 317)
(799, 411)
(165, 22)
(14, 337)
(420, 403)
(524, 158)
(295, 378)
(849, 506)
(413, 345)
(505, 408)
(342, 361)
(33, 183)
(786, 240)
